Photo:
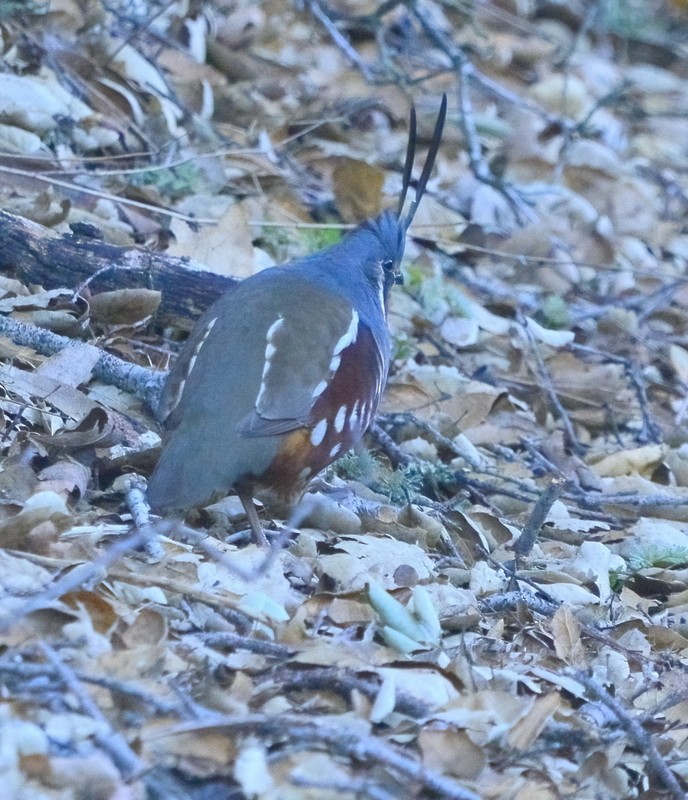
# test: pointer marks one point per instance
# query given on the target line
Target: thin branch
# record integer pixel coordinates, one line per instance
(638, 735)
(339, 39)
(284, 679)
(112, 742)
(30, 671)
(142, 382)
(236, 642)
(526, 541)
(389, 447)
(510, 601)
(650, 431)
(465, 71)
(367, 749)
(82, 575)
(548, 386)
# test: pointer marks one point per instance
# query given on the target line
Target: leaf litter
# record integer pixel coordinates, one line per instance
(399, 642)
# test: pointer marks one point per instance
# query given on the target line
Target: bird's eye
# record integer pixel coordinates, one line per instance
(388, 265)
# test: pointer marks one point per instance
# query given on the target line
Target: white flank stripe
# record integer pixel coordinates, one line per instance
(354, 419)
(197, 349)
(334, 364)
(270, 351)
(318, 433)
(319, 389)
(180, 392)
(340, 419)
(350, 336)
(261, 392)
(272, 330)
(335, 450)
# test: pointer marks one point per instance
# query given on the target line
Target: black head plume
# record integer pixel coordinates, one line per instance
(377, 245)
(427, 167)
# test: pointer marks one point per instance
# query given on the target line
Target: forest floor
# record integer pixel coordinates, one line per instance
(490, 600)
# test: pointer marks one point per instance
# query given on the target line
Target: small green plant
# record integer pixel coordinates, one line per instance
(357, 466)
(414, 278)
(318, 238)
(173, 182)
(618, 578)
(662, 557)
(277, 240)
(418, 478)
(285, 244)
(555, 313)
(632, 19)
(11, 8)
(398, 485)
(403, 347)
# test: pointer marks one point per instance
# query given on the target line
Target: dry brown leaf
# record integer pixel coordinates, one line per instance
(31, 302)
(100, 611)
(357, 189)
(67, 478)
(638, 461)
(72, 366)
(451, 752)
(96, 429)
(567, 638)
(357, 560)
(526, 731)
(427, 391)
(40, 508)
(124, 306)
(225, 248)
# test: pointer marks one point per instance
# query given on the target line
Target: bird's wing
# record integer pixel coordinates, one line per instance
(298, 366)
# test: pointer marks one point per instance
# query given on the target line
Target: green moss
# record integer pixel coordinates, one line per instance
(319, 238)
(288, 243)
(172, 182)
(555, 313)
(657, 556)
(356, 466)
(11, 8)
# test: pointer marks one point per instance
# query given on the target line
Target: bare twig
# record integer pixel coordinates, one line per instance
(29, 672)
(112, 742)
(510, 601)
(465, 72)
(367, 749)
(390, 448)
(650, 431)
(548, 386)
(137, 503)
(236, 642)
(638, 735)
(159, 783)
(337, 680)
(177, 530)
(341, 41)
(82, 575)
(142, 382)
(526, 541)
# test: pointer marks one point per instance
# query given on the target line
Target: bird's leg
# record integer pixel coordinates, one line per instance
(246, 498)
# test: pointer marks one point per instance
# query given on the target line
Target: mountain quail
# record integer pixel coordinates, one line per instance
(284, 374)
